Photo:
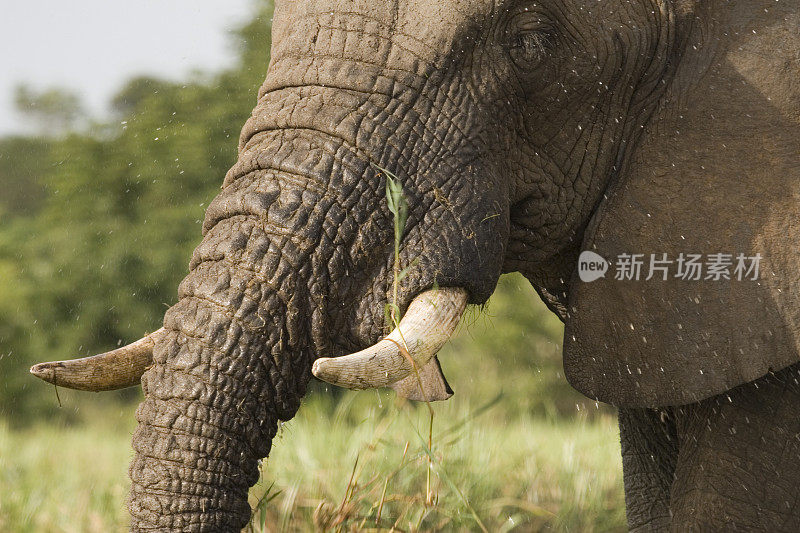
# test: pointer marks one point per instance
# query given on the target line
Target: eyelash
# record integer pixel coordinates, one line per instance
(529, 48)
(533, 44)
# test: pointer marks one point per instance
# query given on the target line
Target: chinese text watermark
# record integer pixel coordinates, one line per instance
(659, 266)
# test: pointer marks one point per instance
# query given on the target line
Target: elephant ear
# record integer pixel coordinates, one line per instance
(716, 172)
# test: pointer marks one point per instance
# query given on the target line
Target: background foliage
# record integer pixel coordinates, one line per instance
(99, 219)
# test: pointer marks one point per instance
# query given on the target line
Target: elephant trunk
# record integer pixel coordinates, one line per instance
(232, 361)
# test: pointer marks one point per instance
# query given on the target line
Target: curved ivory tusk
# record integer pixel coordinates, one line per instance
(427, 325)
(112, 370)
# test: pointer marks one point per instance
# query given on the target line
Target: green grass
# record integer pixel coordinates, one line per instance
(70, 479)
(522, 475)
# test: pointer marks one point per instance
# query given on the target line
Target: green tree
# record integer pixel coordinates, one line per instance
(53, 110)
(114, 213)
(23, 163)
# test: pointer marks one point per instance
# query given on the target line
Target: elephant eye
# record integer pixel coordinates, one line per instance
(529, 48)
(529, 38)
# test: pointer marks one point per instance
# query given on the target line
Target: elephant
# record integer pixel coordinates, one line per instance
(524, 134)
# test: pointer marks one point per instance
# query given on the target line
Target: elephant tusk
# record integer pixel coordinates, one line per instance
(112, 370)
(427, 325)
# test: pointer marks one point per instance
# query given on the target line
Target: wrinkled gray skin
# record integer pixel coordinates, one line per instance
(522, 132)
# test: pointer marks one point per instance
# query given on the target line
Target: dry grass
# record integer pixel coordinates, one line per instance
(363, 466)
(358, 465)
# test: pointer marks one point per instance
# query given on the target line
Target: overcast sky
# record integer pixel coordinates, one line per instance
(92, 46)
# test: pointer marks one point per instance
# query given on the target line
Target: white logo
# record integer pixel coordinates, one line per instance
(687, 267)
(591, 266)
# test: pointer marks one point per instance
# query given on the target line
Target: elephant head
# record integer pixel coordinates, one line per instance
(521, 132)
